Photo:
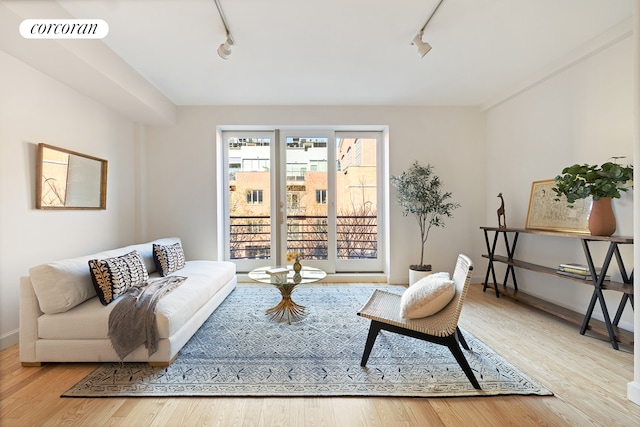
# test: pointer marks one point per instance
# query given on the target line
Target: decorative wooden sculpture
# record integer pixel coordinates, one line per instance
(501, 223)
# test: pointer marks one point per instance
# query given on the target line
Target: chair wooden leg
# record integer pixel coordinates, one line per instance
(462, 361)
(461, 339)
(371, 339)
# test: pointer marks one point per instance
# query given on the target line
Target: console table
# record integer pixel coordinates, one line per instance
(607, 328)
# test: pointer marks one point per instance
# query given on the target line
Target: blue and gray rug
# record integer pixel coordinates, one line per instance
(239, 351)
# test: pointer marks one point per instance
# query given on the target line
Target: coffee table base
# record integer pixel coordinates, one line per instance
(286, 309)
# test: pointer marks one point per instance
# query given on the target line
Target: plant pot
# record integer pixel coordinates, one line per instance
(602, 220)
(415, 275)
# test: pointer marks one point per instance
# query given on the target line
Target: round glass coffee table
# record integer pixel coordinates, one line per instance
(286, 309)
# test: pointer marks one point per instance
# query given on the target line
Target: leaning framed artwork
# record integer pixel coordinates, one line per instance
(546, 213)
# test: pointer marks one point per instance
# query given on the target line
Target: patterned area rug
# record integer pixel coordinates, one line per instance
(241, 352)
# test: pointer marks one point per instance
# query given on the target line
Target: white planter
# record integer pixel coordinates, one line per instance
(415, 275)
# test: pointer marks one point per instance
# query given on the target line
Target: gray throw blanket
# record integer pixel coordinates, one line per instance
(132, 321)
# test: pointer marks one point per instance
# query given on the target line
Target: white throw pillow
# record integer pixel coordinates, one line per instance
(427, 296)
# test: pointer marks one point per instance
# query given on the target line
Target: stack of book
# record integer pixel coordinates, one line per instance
(578, 271)
(278, 275)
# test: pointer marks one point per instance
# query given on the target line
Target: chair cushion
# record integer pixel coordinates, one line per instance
(427, 296)
(112, 277)
(168, 258)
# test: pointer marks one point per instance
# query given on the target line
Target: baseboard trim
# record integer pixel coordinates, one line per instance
(9, 339)
(633, 392)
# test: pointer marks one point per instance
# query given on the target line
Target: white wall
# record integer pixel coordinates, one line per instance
(582, 114)
(35, 108)
(182, 173)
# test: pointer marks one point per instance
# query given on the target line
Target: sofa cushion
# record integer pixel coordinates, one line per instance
(204, 280)
(427, 296)
(168, 258)
(62, 285)
(90, 320)
(112, 277)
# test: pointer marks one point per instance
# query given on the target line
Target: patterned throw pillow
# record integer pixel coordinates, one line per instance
(113, 276)
(168, 258)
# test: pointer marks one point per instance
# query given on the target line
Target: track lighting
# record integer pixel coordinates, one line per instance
(225, 48)
(424, 48)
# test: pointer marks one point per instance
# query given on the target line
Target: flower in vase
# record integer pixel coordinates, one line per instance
(294, 256)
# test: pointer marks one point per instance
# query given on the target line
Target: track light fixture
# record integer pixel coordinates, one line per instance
(224, 50)
(423, 48)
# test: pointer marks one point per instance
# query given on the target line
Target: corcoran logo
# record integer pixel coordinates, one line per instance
(64, 29)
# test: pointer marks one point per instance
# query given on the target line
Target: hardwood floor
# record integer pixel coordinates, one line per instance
(588, 377)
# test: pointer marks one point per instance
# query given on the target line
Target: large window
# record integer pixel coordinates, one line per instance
(312, 191)
(358, 198)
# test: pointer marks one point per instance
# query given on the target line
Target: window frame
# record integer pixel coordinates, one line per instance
(381, 134)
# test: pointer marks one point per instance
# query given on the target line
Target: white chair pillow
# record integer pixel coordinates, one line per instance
(427, 296)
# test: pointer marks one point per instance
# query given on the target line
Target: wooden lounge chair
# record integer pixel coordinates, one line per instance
(383, 308)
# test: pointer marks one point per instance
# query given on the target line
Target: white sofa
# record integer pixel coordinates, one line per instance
(62, 319)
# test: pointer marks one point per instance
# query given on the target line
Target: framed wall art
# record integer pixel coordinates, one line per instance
(546, 213)
(66, 179)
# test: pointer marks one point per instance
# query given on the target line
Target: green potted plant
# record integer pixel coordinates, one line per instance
(602, 183)
(420, 193)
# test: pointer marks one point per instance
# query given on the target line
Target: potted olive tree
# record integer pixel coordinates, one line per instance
(602, 183)
(420, 193)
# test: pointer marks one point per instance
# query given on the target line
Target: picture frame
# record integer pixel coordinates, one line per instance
(546, 213)
(67, 179)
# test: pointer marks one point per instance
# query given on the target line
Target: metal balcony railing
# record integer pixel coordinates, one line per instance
(356, 236)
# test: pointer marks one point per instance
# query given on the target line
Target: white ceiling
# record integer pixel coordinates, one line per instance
(345, 52)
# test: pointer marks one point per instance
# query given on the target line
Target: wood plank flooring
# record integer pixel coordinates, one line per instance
(588, 377)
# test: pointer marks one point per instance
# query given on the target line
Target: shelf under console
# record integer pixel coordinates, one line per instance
(607, 328)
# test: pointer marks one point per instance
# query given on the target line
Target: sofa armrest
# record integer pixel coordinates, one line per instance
(29, 313)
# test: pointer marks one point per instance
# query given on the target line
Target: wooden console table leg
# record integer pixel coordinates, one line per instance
(607, 320)
(597, 292)
(626, 297)
(490, 268)
(621, 306)
(510, 251)
(627, 280)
